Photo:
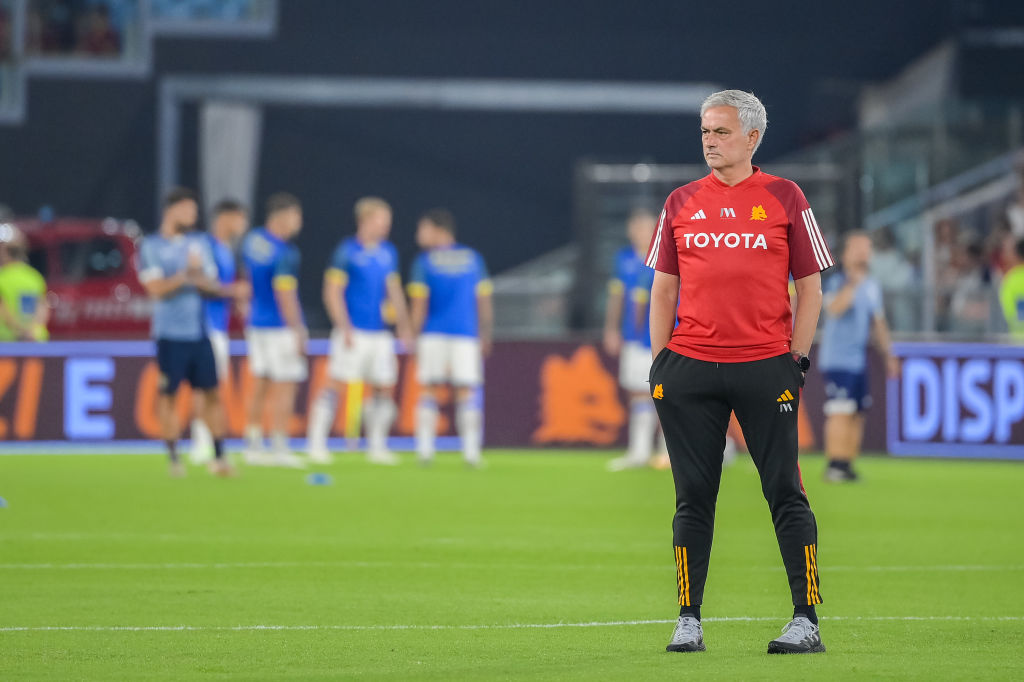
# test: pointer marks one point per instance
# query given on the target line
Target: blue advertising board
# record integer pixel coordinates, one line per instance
(957, 400)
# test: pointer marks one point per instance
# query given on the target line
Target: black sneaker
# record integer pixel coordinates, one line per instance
(837, 475)
(688, 635)
(800, 636)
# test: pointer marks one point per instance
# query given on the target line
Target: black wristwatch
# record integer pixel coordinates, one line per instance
(802, 361)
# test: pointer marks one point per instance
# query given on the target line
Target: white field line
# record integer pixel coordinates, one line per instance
(506, 626)
(171, 566)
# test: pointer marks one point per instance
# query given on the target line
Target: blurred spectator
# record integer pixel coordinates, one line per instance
(96, 34)
(947, 236)
(23, 309)
(5, 32)
(87, 27)
(40, 35)
(970, 301)
(995, 248)
(1011, 293)
(1015, 209)
(946, 249)
(895, 275)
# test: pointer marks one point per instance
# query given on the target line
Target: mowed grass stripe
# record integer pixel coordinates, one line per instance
(499, 626)
(536, 568)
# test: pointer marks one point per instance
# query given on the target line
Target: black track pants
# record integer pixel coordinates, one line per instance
(694, 399)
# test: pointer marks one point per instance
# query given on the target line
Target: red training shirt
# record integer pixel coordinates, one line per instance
(734, 249)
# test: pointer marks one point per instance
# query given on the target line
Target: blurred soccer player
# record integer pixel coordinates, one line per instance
(454, 315)
(277, 334)
(722, 332)
(230, 221)
(362, 278)
(627, 334)
(853, 314)
(177, 270)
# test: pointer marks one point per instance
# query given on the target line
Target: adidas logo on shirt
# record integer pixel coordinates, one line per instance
(699, 215)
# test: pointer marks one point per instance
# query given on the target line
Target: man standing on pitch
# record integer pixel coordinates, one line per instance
(454, 315)
(854, 314)
(177, 270)
(361, 280)
(230, 221)
(723, 253)
(277, 333)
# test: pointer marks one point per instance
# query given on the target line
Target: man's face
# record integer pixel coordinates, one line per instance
(640, 229)
(425, 234)
(289, 220)
(381, 224)
(184, 214)
(857, 253)
(232, 223)
(723, 140)
(294, 220)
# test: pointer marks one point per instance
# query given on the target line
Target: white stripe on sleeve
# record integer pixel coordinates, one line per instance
(821, 239)
(652, 257)
(814, 245)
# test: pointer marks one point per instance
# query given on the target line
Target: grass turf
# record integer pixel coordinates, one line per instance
(921, 569)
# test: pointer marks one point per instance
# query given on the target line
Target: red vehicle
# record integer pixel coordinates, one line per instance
(93, 289)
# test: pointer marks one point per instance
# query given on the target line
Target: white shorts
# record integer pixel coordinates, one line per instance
(274, 354)
(449, 359)
(635, 367)
(221, 353)
(370, 359)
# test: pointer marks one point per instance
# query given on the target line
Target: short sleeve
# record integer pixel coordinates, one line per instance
(875, 300)
(417, 286)
(337, 271)
(808, 252)
(393, 253)
(484, 285)
(148, 266)
(39, 282)
(662, 255)
(286, 270)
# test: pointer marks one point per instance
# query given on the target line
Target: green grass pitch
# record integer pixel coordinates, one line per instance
(112, 570)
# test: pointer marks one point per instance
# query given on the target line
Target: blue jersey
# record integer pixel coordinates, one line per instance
(273, 265)
(844, 338)
(629, 267)
(218, 310)
(641, 299)
(364, 273)
(182, 315)
(452, 278)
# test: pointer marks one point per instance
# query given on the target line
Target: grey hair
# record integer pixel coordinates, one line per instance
(748, 106)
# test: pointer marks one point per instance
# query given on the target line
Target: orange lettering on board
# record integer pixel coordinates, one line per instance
(805, 434)
(8, 370)
(145, 402)
(579, 401)
(29, 389)
(411, 391)
(232, 392)
(146, 418)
